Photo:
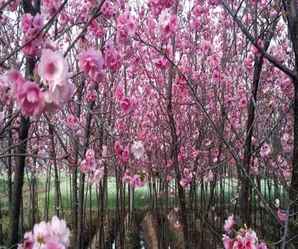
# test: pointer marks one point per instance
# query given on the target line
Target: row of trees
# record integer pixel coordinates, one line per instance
(195, 91)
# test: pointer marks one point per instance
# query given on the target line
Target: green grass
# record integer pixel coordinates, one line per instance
(141, 199)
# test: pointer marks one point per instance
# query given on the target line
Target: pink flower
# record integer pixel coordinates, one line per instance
(229, 223)
(168, 25)
(262, 245)
(85, 167)
(52, 244)
(51, 235)
(60, 231)
(108, 10)
(91, 63)
(265, 150)
(161, 63)
(136, 181)
(210, 176)
(125, 27)
(91, 95)
(118, 148)
(28, 241)
(32, 27)
(119, 93)
(227, 241)
(15, 80)
(125, 154)
(52, 68)
(72, 122)
(138, 149)
(62, 92)
(184, 182)
(112, 58)
(4, 90)
(41, 234)
(125, 104)
(30, 99)
(51, 6)
(97, 175)
(90, 155)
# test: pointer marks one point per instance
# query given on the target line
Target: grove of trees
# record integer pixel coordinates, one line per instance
(149, 124)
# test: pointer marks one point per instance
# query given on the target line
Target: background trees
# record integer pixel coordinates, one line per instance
(193, 100)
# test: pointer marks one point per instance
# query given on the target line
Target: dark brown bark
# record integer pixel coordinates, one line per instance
(245, 212)
(291, 8)
(82, 181)
(18, 182)
(21, 149)
(57, 183)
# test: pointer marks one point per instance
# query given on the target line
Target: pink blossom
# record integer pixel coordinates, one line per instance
(168, 25)
(41, 234)
(96, 175)
(72, 121)
(91, 63)
(227, 241)
(85, 166)
(107, 9)
(138, 149)
(90, 155)
(51, 6)
(136, 181)
(60, 231)
(229, 223)
(118, 148)
(210, 176)
(96, 29)
(184, 182)
(119, 93)
(61, 94)
(112, 58)
(91, 95)
(125, 27)
(125, 154)
(265, 150)
(125, 104)
(30, 99)
(262, 245)
(51, 235)
(52, 68)
(32, 40)
(161, 63)
(15, 81)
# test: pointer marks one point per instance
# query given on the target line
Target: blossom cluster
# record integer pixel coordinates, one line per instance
(135, 180)
(126, 27)
(54, 234)
(91, 167)
(244, 238)
(123, 101)
(157, 6)
(186, 178)
(30, 97)
(91, 62)
(32, 30)
(123, 153)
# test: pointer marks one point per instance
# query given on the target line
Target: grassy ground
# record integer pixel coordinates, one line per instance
(229, 188)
